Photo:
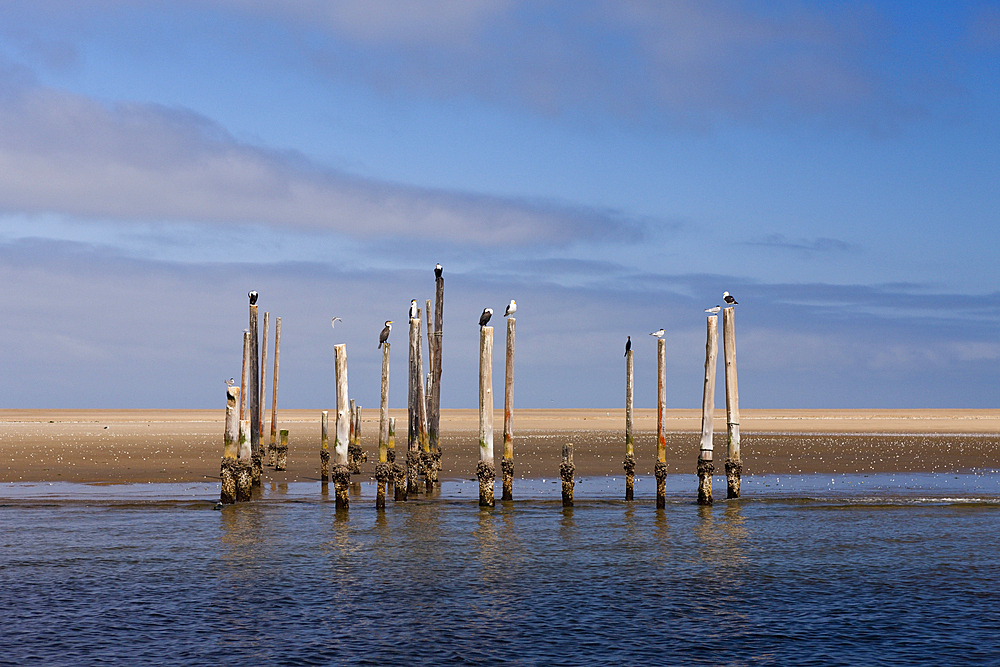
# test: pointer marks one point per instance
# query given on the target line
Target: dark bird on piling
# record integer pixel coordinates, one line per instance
(728, 298)
(413, 309)
(384, 336)
(484, 319)
(628, 344)
(511, 308)
(713, 310)
(659, 333)
(437, 271)
(253, 297)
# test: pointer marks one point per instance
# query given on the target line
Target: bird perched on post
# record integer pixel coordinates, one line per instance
(511, 308)
(658, 334)
(253, 297)
(413, 309)
(484, 319)
(384, 336)
(728, 298)
(230, 382)
(714, 310)
(437, 270)
(628, 344)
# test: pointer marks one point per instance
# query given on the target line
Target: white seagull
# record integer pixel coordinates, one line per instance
(333, 322)
(230, 382)
(658, 334)
(714, 310)
(511, 308)
(728, 298)
(413, 309)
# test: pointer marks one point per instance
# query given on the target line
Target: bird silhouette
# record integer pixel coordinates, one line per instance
(628, 344)
(484, 319)
(437, 271)
(384, 336)
(333, 322)
(253, 297)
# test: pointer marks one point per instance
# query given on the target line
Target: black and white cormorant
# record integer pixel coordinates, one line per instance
(437, 270)
(253, 297)
(628, 344)
(728, 298)
(511, 308)
(484, 319)
(413, 309)
(384, 336)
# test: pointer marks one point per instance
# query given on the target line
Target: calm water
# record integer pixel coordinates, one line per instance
(806, 570)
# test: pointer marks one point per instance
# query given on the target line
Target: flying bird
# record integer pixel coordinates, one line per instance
(413, 309)
(511, 308)
(253, 296)
(437, 270)
(728, 298)
(384, 336)
(628, 344)
(714, 310)
(658, 334)
(333, 322)
(484, 319)
(230, 382)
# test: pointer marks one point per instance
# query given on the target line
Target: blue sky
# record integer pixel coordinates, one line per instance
(612, 166)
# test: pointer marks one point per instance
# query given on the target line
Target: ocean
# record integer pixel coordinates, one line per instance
(887, 569)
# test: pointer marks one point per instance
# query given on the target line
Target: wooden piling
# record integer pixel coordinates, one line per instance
(485, 470)
(246, 367)
(244, 469)
(661, 424)
(507, 463)
(383, 471)
(706, 468)
(434, 410)
(231, 446)
(413, 409)
(282, 462)
(426, 460)
(355, 455)
(253, 389)
(263, 375)
(274, 389)
(398, 469)
(430, 350)
(629, 464)
(734, 466)
(324, 446)
(566, 471)
(341, 473)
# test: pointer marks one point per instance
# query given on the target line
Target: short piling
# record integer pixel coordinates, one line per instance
(398, 469)
(324, 446)
(341, 473)
(231, 446)
(566, 471)
(485, 470)
(244, 468)
(661, 424)
(355, 454)
(734, 466)
(383, 470)
(706, 468)
(507, 463)
(274, 388)
(629, 464)
(282, 459)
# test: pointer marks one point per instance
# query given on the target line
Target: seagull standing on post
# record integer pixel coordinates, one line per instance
(384, 336)
(484, 319)
(511, 308)
(728, 298)
(714, 310)
(658, 334)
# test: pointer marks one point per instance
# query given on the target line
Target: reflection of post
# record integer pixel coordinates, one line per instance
(341, 473)
(282, 460)
(566, 471)
(324, 446)
(507, 464)
(230, 447)
(661, 418)
(629, 437)
(705, 466)
(383, 472)
(734, 467)
(484, 470)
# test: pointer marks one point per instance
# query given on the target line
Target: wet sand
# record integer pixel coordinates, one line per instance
(138, 446)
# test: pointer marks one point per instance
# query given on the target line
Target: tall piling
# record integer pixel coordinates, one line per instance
(246, 372)
(734, 466)
(434, 409)
(507, 463)
(341, 473)
(230, 447)
(413, 408)
(485, 470)
(244, 468)
(324, 446)
(274, 389)
(661, 424)
(253, 389)
(383, 471)
(706, 468)
(629, 434)
(282, 459)
(566, 470)
(262, 410)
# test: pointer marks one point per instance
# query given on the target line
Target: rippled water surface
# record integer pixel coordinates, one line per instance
(803, 571)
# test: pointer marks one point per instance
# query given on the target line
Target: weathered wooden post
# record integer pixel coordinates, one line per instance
(566, 471)
(282, 463)
(263, 376)
(705, 466)
(244, 468)
(324, 446)
(341, 473)
(253, 387)
(434, 413)
(274, 389)
(734, 467)
(507, 463)
(355, 455)
(485, 470)
(413, 412)
(629, 434)
(383, 471)
(430, 351)
(246, 367)
(426, 459)
(230, 447)
(661, 425)
(398, 469)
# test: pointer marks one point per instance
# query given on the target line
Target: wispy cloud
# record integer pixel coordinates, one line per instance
(806, 246)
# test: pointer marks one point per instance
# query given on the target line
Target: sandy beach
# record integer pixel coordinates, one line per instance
(138, 446)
